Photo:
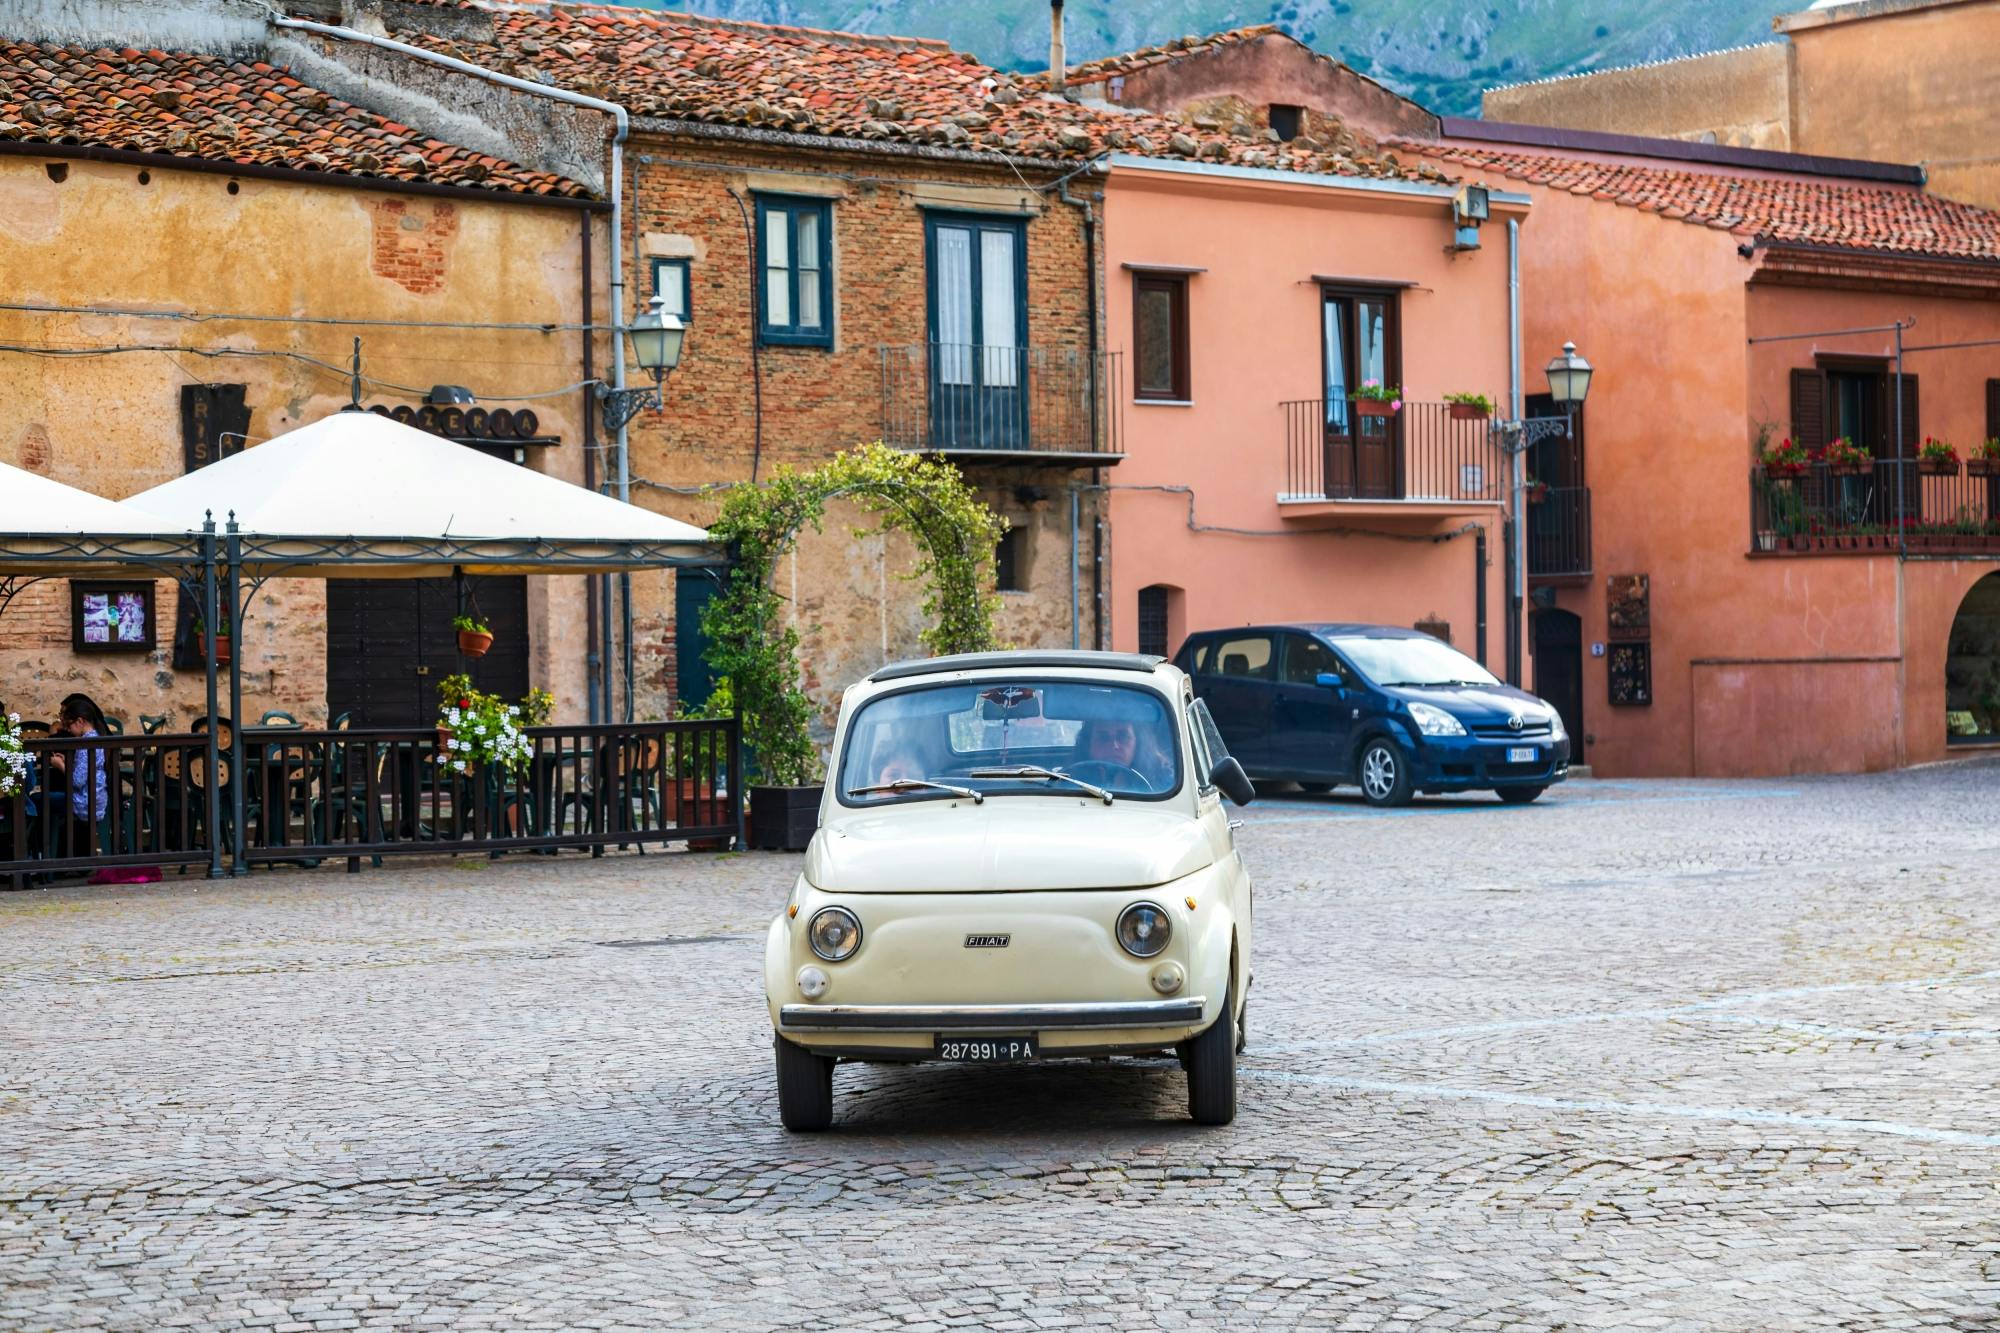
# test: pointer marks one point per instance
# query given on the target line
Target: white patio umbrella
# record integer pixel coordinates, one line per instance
(49, 528)
(358, 495)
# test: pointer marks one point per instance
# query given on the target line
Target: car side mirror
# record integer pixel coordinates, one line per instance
(1331, 680)
(1233, 781)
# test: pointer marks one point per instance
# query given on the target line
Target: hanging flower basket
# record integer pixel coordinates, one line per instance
(1373, 407)
(474, 644)
(1537, 492)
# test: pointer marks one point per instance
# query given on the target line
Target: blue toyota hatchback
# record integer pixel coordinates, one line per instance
(1393, 711)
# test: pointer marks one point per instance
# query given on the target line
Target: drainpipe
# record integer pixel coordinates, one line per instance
(1097, 394)
(623, 131)
(1517, 591)
(1075, 609)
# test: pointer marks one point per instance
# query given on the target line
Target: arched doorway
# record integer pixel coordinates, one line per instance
(1558, 637)
(1972, 667)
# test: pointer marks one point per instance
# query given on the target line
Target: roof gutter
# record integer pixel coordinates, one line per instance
(1677, 150)
(623, 131)
(1320, 180)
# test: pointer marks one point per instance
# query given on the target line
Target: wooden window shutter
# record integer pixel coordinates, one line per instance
(1913, 435)
(1993, 409)
(1809, 408)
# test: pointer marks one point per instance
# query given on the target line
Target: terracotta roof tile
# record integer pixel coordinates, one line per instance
(211, 108)
(1798, 210)
(677, 66)
(1127, 62)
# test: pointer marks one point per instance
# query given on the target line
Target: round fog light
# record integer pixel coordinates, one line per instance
(1168, 978)
(812, 982)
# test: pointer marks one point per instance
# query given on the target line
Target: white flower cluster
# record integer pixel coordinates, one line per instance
(490, 735)
(13, 757)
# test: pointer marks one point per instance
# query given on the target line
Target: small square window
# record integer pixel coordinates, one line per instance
(1160, 337)
(672, 279)
(1287, 120)
(795, 259)
(1010, 561)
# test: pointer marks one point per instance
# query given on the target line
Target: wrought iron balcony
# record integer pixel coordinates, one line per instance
(1890, 506)
(1558, 531)
(972, 401)
(1426, 453)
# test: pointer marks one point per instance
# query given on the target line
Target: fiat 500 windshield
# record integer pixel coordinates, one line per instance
(1025, 737)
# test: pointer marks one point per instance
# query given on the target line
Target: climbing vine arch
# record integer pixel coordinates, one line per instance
(753, 649)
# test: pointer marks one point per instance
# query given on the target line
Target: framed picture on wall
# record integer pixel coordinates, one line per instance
(111, 617)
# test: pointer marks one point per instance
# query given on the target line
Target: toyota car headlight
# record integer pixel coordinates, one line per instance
(1434, 721)
(834, 934)
(1556, 725)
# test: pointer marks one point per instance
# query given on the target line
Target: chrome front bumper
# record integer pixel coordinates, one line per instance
(992, 1017)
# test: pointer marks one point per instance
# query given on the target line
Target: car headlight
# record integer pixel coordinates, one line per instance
(1434, 721)
(1144, 929)
(834, 933)
(1556, 731)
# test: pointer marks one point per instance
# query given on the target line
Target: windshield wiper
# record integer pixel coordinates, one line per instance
(1046, 774)
(913, 784)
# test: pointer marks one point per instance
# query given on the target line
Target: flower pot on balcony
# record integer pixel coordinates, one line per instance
(1938, 467)
(473, 643)
(1537, 494)
(1860, 469)
(1373, 407)
(1767, 540)
(1468, 412)
(1982, 467)
(1784, 471)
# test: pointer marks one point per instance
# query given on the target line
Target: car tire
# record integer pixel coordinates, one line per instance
(1384, 773)
(1519, 795)
(805, 1088)
(1211, 1067)
(1315, 788)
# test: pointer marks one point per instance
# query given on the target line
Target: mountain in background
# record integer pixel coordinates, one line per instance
(1442, 53)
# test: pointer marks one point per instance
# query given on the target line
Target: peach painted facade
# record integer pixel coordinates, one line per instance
(1222, 499)
(1762, 662)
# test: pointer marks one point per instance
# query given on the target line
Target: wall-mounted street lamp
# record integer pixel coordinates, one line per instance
(656, 337)
(1569, 384)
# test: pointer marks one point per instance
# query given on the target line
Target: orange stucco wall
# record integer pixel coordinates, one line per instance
(1254, 343)
(1771, 665)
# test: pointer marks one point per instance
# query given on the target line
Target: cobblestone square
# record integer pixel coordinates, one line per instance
(1647, 1054)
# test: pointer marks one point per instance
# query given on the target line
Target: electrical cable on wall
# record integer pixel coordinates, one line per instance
(345, 372)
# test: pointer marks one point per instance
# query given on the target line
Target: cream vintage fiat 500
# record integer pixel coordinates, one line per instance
(1021, 856)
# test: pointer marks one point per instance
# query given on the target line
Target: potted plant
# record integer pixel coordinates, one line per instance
(1469, 406)
(1844, 458)
(474, 638)
(476, 728)
(222, 649)
(1536, 490)
(1985, 460)
(13, 758)
(1376, 399)
(1938, 458)
(1786, 461)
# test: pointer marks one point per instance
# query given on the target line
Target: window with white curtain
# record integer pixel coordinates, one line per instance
(795, 259)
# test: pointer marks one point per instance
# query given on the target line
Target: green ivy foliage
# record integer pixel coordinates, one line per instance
(752, 648)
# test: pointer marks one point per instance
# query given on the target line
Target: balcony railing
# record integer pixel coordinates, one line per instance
(1421, 454)
(1559, 531)
(972, 398)
(1893, 506)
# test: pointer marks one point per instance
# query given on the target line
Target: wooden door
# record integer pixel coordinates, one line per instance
(1363, 454)
(1558, 637)
(390, 641)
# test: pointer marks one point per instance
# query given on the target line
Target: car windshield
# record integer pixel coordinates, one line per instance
(1419, 661)
(1011, 737)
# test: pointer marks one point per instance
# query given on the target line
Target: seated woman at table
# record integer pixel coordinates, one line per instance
(82, 774)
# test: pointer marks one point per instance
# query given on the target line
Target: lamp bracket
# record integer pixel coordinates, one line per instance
(1517, 436)
(621, 405)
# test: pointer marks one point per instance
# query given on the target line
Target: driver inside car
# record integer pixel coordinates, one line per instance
(1116, 741)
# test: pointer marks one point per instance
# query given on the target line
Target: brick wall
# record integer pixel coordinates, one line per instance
(689, 200)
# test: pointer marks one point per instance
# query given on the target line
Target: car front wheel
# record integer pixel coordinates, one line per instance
(1384, 774)
(1211, 1067)
(1519, 795)
(805, 1088)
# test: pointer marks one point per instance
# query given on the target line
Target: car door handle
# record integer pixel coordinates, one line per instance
(1235, 824)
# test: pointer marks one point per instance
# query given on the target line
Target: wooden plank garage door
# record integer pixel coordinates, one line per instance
(390, 641)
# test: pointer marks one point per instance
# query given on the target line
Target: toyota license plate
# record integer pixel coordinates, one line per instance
(985, 1050)
(1521, 754)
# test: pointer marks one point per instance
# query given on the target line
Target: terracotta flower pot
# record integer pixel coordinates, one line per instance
(222, 648)
(1373, 407)
(1982, 467)
(473, 643)
(1783, 471)
(1938, 467)
(1861, 469)
(1468, 412)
